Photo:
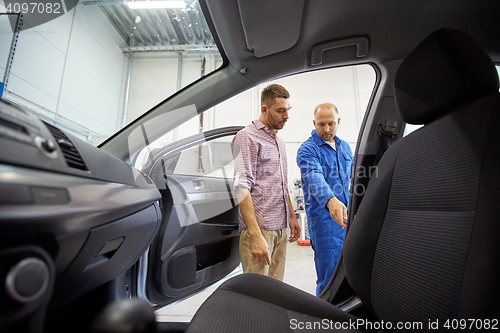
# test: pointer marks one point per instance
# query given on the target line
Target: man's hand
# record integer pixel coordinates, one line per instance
(338, 211)
(294, 229)
(260, 249)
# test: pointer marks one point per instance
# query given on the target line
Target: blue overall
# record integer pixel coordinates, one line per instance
(325, 173)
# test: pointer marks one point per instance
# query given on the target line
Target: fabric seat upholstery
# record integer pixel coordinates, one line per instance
(425, 242)
(257, 303)
(424, 245)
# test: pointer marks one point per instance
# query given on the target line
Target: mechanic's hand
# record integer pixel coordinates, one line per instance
(294, 229)
(260, 250)
(338, 211)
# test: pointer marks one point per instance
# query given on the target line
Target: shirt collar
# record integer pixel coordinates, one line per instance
(320, 141)
(260, 126)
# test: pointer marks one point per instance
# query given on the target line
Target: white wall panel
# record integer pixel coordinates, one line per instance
(56, 32)
(71, 70)
(39, 62)
(191, 71)
(5, 40)
(307, 90)
(36, 76)
(95, 56)
(153, 79)
(93, 74)
(79, 118)
(34, 97)
(293, 169)
(93, 20)
(87, 102)
(238, 110)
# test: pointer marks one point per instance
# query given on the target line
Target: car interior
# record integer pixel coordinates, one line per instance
(393, 261)
(98, 239)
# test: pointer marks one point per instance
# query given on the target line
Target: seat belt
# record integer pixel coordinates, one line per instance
(387, 136)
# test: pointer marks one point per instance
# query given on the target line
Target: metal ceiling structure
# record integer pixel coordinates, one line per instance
(171, 30)
(148, 30)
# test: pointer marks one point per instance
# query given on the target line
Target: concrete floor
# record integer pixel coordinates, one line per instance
(299, 272)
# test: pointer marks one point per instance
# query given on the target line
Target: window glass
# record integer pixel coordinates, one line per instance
(349, 88)
(98, 65)
(211, 159)
(411, 128)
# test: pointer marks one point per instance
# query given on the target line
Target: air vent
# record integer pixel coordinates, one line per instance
(14, 126)
(73, 158)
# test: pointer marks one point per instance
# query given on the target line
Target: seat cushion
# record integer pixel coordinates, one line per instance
(257, 303)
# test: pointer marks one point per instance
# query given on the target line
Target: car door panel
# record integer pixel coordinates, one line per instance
(210, 202)
(197, 243)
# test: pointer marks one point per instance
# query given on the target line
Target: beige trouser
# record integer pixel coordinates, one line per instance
(276, 240)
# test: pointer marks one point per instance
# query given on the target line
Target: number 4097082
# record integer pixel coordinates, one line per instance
(34, 7)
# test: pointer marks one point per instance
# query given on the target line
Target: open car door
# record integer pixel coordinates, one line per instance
(197, 243)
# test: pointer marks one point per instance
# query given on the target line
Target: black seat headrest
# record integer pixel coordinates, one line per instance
(446, 70)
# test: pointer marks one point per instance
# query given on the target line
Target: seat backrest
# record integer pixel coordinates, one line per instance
(425, 242)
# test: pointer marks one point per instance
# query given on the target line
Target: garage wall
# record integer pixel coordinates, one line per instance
(155, 77)
(349, 88)
(72, 75)
(5, 40)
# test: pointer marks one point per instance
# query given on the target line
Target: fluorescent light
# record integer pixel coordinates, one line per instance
(155, 4)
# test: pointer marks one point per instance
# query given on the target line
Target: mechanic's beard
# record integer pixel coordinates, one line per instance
(328, 137)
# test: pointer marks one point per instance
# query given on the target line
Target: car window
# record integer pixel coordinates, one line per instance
(96, 67)
(411, 128)
(349, 88)
(210, 159)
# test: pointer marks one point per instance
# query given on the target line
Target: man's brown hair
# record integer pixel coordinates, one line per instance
(271, 92)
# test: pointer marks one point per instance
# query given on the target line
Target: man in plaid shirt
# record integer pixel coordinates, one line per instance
(260, 180)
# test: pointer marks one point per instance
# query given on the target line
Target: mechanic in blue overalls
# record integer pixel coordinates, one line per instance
(325, 163)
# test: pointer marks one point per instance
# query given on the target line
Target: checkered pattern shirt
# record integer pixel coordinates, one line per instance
(260, 166)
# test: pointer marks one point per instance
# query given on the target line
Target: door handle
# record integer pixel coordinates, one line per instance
(199, 185)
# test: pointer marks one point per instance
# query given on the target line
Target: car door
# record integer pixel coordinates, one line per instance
(197, 243)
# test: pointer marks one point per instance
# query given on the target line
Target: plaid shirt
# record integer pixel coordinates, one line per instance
(260, 166)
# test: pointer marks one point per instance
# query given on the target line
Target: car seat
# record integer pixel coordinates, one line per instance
(424, 246)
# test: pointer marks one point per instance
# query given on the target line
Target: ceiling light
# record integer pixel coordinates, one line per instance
(155, 4)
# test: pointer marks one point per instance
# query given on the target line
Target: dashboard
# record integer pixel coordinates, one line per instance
(72, 216)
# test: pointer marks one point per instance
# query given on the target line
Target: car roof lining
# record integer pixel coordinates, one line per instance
(280, 21)
(325, 21)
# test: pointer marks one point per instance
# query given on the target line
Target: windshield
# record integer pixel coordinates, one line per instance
(92, 67)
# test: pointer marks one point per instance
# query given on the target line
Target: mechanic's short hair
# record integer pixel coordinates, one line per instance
(326, 106)
(271, 92)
